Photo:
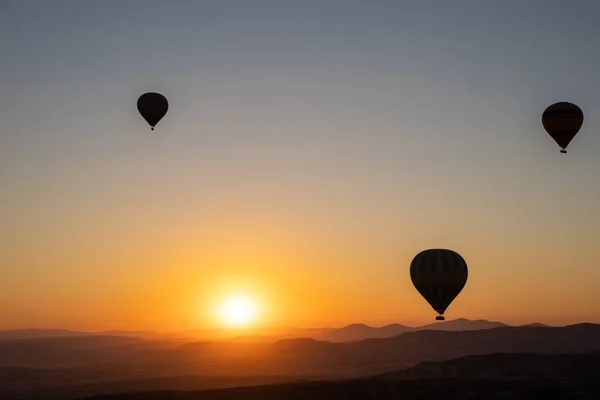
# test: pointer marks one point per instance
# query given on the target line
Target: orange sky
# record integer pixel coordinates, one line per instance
(309, 152)
(300, 272)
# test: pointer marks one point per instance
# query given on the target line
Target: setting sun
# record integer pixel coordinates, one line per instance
(238, 310)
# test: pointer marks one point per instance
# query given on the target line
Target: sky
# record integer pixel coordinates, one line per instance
(310, 151)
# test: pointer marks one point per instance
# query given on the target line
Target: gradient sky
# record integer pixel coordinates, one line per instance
(311, 149)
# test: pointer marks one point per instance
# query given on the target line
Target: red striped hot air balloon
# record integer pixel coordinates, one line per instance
(439, 275)
(562, 121)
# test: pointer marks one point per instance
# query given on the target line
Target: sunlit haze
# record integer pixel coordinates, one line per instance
(310, 151)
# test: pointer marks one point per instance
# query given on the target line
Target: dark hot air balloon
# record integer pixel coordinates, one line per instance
(153, 107)
(562, 121)
(439, 275)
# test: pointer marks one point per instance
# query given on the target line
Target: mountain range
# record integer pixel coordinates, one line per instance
(353, 332)
(357, 332)
(71, 367)
(495, 376)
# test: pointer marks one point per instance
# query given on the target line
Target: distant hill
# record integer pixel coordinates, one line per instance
(39, 333)
(58, 333)
(31, 384)
(294, 357)
(462, 324)
(94, 365)
(429, 345)
(506, 366)
(52, 352)
(261, 338)
(309, 357)
(350, 333)
(557, 387)
(356, 332)
(496, 376)
(373, 389)
(190, 335)
(537, 324)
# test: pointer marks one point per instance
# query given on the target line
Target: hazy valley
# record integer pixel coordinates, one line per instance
(80, 365)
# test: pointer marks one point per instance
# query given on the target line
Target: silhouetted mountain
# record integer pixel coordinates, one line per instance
(52, 352)
(378, 389)
(537, 324)
(267, 335)
(39, 333)
(428, 345)
(262, 338)
(32, 384)
(136, 334)
(496, 376)
(100, 360)
(506, 366)
(58, 333)
(462, 324)
(348, 333)
(295, 357)
(356, 332)
(303, 357)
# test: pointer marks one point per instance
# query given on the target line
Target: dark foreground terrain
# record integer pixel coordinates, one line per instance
(496, 376)
(501, 360)
(447, 389)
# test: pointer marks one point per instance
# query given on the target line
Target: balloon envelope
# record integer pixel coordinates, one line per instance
(562, 121)
(439, 275)
(153, 107)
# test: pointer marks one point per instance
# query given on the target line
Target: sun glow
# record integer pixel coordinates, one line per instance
(237, 310)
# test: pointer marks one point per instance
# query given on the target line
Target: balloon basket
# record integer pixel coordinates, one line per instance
(440, 318)
(563, 151)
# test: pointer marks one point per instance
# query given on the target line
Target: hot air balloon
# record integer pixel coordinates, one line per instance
(439, 275)
(562, 121)
(153, 107)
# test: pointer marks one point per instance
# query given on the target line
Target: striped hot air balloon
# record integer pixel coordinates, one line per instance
(439, 275)
(562, 121)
